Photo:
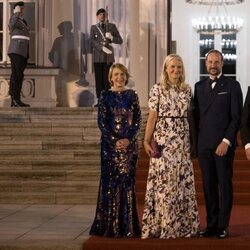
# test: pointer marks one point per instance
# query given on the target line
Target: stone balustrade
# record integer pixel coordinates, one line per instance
(38, 86)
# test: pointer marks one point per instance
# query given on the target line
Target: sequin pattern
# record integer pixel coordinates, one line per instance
(170, 209)
(119, 117)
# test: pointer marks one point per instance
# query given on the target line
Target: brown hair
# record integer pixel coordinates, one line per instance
(216, 52)
(122, 68)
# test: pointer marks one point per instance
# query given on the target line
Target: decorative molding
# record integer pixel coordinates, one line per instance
(38, 87)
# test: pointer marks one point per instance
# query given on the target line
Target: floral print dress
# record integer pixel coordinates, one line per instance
(170, 209)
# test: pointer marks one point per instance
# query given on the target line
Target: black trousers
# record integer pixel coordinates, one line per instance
(217, 173)
(18, 65)
(101, 77)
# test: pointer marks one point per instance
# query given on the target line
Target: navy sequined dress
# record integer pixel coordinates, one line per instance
(119, 117)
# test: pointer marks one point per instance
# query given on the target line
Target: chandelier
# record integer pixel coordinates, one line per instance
(218, 2)
(215, 23)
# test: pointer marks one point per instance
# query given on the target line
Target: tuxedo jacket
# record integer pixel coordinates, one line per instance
(217, 111)
(18, 27)
(245, 120)
(97, 39)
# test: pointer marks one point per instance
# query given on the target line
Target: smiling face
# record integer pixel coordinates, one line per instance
(174, 70)
(118, 79)
(214, 64)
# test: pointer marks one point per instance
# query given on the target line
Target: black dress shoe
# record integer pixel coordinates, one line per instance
(221, 234)
(207, 233)
(18, 103)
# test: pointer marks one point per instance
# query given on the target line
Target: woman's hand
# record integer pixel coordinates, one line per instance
(148, 148)
(122, 144)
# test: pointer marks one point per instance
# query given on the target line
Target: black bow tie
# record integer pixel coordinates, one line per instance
(211, 81)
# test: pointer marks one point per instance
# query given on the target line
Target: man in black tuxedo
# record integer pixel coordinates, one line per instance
(217, 106)
(245, 125)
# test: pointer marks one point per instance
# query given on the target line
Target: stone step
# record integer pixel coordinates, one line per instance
(44, 164)
(27, 145)
(45, 115)
(51, 132)
(87, 123)
(48, 198)
(90, 137)
(89, 186)
(62, 111)
(47, 129)
(50, 154)
(48, 145)
(56, 110)
(49, 175)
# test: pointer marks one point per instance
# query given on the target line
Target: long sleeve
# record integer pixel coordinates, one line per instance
(103, 120)
(136, 122)
(16, 23)
(236, 109)
(117, 39)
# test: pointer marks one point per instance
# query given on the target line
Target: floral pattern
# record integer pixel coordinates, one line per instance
(170, 209)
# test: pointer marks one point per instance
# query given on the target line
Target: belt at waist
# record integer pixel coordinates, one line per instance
(173, 117)
(20, 37)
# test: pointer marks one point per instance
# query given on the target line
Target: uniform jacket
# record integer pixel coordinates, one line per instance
(217, 111)
(97, 42)
(17, 26)
(245, 120)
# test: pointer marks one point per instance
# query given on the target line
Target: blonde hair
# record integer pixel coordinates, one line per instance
(122, 68)
(164, 81)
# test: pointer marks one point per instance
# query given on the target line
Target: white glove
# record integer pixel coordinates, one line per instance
(109, 36)
(17, 9)
(106, 50)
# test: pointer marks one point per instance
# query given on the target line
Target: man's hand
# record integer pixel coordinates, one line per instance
(222, 149)
(248, 153)
(109, 36)
(106, 50)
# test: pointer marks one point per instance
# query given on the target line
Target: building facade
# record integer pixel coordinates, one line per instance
(60, 70)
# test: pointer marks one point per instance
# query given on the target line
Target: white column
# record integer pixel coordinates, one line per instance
(138, 53)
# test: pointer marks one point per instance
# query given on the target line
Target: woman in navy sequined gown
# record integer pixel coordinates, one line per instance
(119, 118)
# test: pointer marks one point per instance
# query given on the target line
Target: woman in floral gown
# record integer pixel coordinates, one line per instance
(119, 118)
(170, 209)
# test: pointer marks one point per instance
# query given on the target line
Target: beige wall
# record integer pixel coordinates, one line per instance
(143, 22)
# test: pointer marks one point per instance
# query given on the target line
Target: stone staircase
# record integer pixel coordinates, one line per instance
(49, 155)
(52, 155)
